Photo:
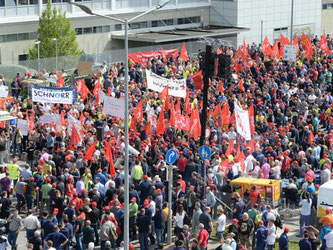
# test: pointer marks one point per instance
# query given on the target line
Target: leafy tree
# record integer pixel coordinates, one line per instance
(54, 24)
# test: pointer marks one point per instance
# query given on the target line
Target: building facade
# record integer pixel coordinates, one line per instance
(19, 22)
(327, 17)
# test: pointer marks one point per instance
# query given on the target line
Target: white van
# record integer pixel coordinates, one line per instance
(325, 198)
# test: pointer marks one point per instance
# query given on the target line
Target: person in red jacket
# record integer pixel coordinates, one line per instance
(285, 165)
(202, 237)
(77, 200)
(182, 162)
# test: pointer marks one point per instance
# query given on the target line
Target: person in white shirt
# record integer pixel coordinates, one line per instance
(250, 161)
(271, 234)
(31, 224)
(305, 205)
(221, 221)
(325, 174)
(329, 239)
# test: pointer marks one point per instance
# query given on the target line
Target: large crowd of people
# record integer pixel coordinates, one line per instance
(71, 194)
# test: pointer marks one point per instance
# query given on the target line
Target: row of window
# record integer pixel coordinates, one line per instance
(327, 6)
(138, 25)
(18, 37)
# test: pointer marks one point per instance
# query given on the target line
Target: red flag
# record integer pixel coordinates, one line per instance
(230, 148)
(308, 49)
(295, 43)
(163, 54)
(187, 101)
(266, 47)
(138, 113)
(31, 122)
(323, 45)
(148, 129)
(232, 120)
(251, 117)
(241, 85)
(109, 92)
(164, 95)
(90, 151)
(283, 41)
(172, 120)
(311, 137)
(245, 51)
(275, 50)
(82, 119)
(238, 52)
(220, 86)
(82, 89)
(2, 124)
(304, 39)
(178, 110)
(75, 138)
(195, 126)
(109, 158)
(242, 164)
(97, 91)
(61, 82)
(251, 145)
(197, 78)
(217, 111)
(183, 53)
(62, 119)
(225, 166)
(160, 123)
(182, 122)
(225, 115)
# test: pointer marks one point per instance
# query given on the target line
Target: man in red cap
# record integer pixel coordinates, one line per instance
(144, 189)
(133, 211)
(327, 219)
(261, 236)
(283, 240)
(46, 187)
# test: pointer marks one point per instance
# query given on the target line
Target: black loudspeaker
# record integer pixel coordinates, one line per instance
(100, 133)
(224, 66)
(212, 64)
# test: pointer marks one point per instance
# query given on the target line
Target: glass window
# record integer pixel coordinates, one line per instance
(22, 2)
(78, 31)
(32, 36)
(9, 2)
(134, 25)
(154, 24)
(23, 57)
(329, 6)
(12, 38)
(181, 21)
(23, 36)
(169, 21)
(33, 2)
(2, 38)
(56, 1)
(106, 28)
(97, 29)
(87, 30)
(118, 27)
(143, 25)
(2, 3)
(324, 6)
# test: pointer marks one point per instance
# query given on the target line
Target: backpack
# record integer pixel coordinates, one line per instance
(278, 222)
(113, 233)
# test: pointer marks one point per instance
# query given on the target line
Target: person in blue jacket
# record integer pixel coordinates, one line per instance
(261, 236)
(283, 240)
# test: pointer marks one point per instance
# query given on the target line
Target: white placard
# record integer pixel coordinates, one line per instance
(290, 53)
(157, 83)
(50, 118)
(242, 122)
(3, 91)
(52, 95)
(23, 125)
(114, 106)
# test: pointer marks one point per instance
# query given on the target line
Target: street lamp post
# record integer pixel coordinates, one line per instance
(56, 55)
(125, 22)
(292, 22)
(38, 55)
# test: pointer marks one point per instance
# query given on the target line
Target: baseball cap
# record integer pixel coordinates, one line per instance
(47, 179)
(133, 199)
(31, 179)
(131, 246)
(286, 229)
(328, 210)
(234, 221)
(94, 204)
(54, 185)
(260, 222)
(55, 211)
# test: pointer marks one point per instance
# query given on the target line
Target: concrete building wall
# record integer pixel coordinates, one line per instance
(327, 17)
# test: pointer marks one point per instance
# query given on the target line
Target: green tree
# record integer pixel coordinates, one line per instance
(54, 24)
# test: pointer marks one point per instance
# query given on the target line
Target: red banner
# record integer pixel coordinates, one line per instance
(143, 57)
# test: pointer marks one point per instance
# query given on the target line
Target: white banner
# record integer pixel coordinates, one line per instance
(242, 122)
(23, 125)
(50, 118)
(290, 53)
(52, 95)
(4, 91)
(157, 83)
(114, 106)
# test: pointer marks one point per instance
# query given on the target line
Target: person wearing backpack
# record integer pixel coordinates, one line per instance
(105, 232)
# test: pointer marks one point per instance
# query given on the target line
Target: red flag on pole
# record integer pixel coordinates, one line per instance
(220, 86)
(164, 95)
(195, 126)
(90, 151)
(75, 138)
(160, 123)
(283, 41)
(97, 91)
(230, 148)
(304, 39)
(148, 129)
(82, 119)
(308, 49)
(197, 78)
(245, 51)
(266, 47)
(251, 117)
(138, 113)
(82, 89)
(323, 45)
(61, 82)
(172, 120)
(241, 85)
(275, 50)
(225, 115)
(109, 158)
(163, 54)
(183, 53)
(62, 119)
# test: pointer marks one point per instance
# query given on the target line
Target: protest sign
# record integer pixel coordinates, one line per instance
(177, 88)
(53, 95)
(49, 118)
(290, 53)
(3, 91)
(23, 125)
(114, 106)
